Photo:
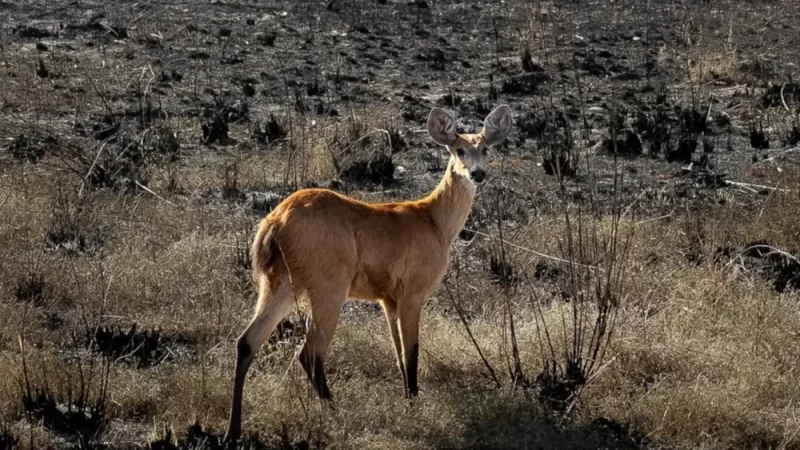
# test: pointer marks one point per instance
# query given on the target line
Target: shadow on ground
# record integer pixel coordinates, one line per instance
(498, 421)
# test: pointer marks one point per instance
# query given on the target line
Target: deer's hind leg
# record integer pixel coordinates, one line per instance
(326, 307)
(275, 300)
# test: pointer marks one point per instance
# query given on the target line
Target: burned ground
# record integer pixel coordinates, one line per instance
(140, 142)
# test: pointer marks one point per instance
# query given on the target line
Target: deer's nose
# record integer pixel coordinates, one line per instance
(477, 175)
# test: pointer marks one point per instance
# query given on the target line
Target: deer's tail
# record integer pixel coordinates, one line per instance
(265, 250)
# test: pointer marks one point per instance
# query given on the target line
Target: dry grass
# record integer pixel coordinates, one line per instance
(703, 356)
(709, 357)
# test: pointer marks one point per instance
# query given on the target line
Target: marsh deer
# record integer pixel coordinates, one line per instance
(331, 247)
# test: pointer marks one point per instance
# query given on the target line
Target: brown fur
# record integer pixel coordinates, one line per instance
(330, 247)
(263, 252)
(376, 248)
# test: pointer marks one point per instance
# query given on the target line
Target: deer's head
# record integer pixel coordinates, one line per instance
(470, 151)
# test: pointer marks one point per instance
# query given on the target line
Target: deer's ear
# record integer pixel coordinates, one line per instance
(497, 125)
(442, 126)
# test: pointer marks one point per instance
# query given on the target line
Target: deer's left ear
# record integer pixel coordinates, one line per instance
(497, 125)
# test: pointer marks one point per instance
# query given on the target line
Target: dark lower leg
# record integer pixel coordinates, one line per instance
(405, 377)
(411, 361)
(272, 306)
(315, 370)
(244, 357)
(326, 305)
(409, 335)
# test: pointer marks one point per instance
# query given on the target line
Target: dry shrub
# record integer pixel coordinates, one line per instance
(360, 146)
(308, 158)
(707, 64)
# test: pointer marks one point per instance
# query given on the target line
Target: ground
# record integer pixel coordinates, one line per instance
(626, 278)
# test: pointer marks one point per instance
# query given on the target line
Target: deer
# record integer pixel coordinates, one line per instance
(330, 247)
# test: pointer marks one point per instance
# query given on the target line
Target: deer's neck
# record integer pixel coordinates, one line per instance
(451, 202)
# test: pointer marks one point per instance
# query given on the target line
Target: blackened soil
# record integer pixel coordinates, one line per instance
(609, 90)
(613, 85)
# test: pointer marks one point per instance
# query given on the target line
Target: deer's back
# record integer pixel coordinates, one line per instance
(384, 250)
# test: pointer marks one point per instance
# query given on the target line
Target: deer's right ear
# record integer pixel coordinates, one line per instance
(442, 127)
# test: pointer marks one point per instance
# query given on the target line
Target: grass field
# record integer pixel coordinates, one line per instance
(627, 278)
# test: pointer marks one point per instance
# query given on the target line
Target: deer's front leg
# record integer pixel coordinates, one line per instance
(390, 310)
(408, 318)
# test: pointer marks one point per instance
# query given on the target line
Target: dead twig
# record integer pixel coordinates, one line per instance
(91, 168)
(534, 252)
(148, 190)
(772, 251)
(756, 186)
(175, 33)
(653, 219)
(361, 138)
(5, 200)
(783, 100)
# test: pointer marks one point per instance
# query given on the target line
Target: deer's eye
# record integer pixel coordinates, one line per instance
(485, 151)
(460, 152)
